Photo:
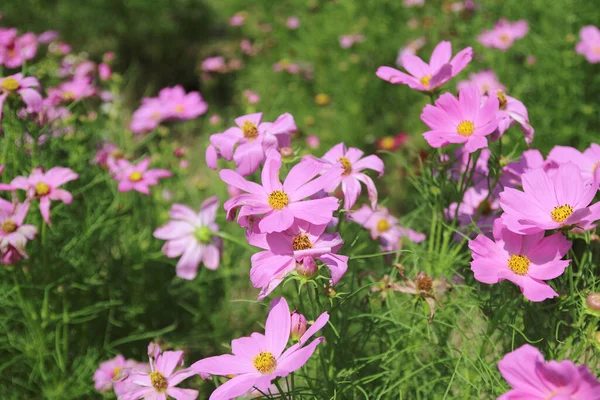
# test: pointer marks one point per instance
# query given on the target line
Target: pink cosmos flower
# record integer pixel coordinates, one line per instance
(525, 260)
(465, 120)
(249, 142)
(24, 87)
(191, 236)
(295, 249)
(428, 77)
(76, 89)
(13, 233)
(215, 119)
(45, 187)
(313, 141)
(47, 37)
(292, 23)
(251, 97)
(384, 226)
(504, 34)
(350, 159)
(181, 106)
(414, 3)
(15, 50)
(259, 359)
(137, 177)
(486, 80)
(476, 207)
(283, 204)
(392, 143)
(410, 49)
(510, 111)
(550, 201)
(589, 45)
(111, 371)
(347, 41)
(85, 69)
(532, 378)
(147, 118)
(104, 72)
(530, 159)
(587, 161)
(161, 382)
(237, 19)
(108, 154)
(214, 64)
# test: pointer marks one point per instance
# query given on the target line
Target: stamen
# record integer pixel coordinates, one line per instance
(465, 128)
(159, 382)
(41, 189)
(425, 80)
(383, 225)
(9, 226)
(561, 213)
(502, 100)
(250, 130)
(135, 176)
(301, 242)
(265, 362)
(424, 283)
(278, 199)
(9, 84)
(346, 164)
(518, 264)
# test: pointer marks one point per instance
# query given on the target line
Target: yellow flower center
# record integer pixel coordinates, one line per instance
(156, 115)
(383, 225)
(116, 373)
(265, 362)
(159, 382)
(424, 283)
(387, 143)
(179, 109)
(596, 49)
(502, 100)
(301, 242)
(465, 128)
(278, 199)
(135, 176)
(12, 53)
(250, 130)
(9, 84)
(9, 226)
(68, 95)
(346, 164)
(560, 213)
(322, 99)
(425, 80)
(41, 189)
(504, 38)
(518, 264)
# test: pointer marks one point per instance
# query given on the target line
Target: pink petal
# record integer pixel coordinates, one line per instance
(337, 264)
(62, 195)
(351, 190)
(536, 290)
(168, 361)
(441, 55)
(270, 174)
(415, 66)
(253, 118)
(238, 386)
(315, 185)
(300, 174)
(45, 208)
(277, 327)
(211, 157)
(519, 370)
(371, 162)
(187, 266)
(182, 394)
(371, 188)
(298, 358)
(236, 180)
(318, 212)
(211, 256)
(461, 60)
(32, 99)
(173, 230)
(224, 365)
(277, 220)
(248, 158)
(319, 323)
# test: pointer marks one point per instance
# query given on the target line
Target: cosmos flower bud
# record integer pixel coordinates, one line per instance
(307, 267)
(153, 350)
(593, 303)
(286, 152)
(298, 326)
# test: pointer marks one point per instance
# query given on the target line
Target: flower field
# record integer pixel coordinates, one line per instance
(300, 200)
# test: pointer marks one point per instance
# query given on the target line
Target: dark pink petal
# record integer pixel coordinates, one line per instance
(519, 369)
(461, 60)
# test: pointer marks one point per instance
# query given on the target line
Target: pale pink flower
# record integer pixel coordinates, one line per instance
(383, 226)
(45, 187)
(292, 23)
(180, 105)
(294, 249)
(510, 111)
(550, 201)
(215, 119)
(162, 380)
(282, 204)
(587, 161)
(147, 118)
(478, 207)
(76, 89)
(259, 359)
(353, 163)
(214, 64)
(410, 49)
(14, 50)
(191, 236)
(525, 260)
(414, 3)
(104, 72)
(25, 87)
(428, 77)
(589, 45)
(504, 34)
(486, 80)
(47, 37)
(237, 19)
(249, 142)
(313, 141)
(112, 371)
(251, 97)
(466, 120)
(533, 378)
(14, 234)
(530, 160)
(137, 177)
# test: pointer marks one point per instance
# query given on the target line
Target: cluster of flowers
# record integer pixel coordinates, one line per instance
(555, 197)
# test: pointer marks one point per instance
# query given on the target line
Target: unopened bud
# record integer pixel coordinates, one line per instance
(307, 267)
(153, 350)
(286, 152)
(298, 326)
(593, 303)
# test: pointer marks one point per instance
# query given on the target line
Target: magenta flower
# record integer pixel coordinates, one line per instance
(586, 161)
(296, 249)
(259, 359)
(510, 111)
(47, 37)
(76, 89)
(14, 50)
(525, 260)
(383, 226)
(249, 142)
(111, 371)
(214, 64)
(530, 159)
(532, 378)
(45, 187)
(466, 120)
(14, 234)
(24, 87)
(550, 201)
(283, 204)
(137, 177)
(487, 82)
(191, 236)
(162, 380)
(504, 34)
(589, 45)
(107, 155)
(147, 118)
(181, 106)
(352, 163)
(428, 77)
